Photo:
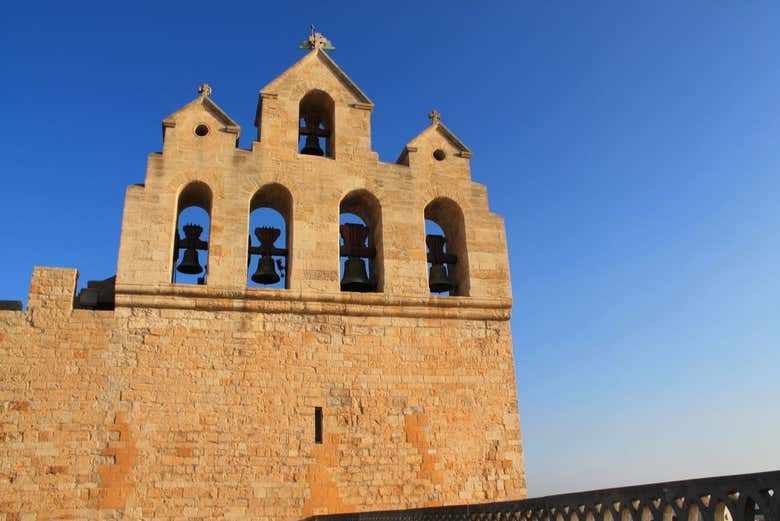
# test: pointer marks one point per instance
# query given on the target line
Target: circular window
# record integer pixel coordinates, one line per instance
(439, 154)
(201, 130)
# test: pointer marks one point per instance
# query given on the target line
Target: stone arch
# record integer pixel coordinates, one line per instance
(278, 200)
(448, 216)
(192, 234)
(366, 207)
(316, 117)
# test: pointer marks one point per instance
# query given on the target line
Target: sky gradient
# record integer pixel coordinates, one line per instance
(632, 148)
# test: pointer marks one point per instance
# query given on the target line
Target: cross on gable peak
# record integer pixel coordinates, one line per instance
(316, 41)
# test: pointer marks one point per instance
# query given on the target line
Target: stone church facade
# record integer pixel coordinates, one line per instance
(388, 386)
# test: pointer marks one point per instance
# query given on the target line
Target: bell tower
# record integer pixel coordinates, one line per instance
(298, 328)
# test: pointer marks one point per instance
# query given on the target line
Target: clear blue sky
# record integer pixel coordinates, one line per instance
(632, 148)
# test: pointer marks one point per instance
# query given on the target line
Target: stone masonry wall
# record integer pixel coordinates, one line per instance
(149, 413)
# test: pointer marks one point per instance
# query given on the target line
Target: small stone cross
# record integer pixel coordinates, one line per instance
(204, 90)
(435, 117)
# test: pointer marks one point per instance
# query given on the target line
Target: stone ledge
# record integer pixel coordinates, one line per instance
(297, 301)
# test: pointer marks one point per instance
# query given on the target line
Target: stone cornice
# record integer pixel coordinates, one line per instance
(201, 298)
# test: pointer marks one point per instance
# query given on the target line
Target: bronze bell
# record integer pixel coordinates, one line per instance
(355, 276)
(312, 146)
(266, 272)
(438, 279)
(190, 264)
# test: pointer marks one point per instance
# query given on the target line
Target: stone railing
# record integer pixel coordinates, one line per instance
(745, 497)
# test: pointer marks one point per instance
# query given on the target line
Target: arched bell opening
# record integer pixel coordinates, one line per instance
(193, 227)
(270, 237)
(315, 119)
(445, 241)
(360, 243)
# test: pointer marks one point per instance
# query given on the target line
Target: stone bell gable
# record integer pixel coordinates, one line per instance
(313, 104)
(296, 328)
(316, 73)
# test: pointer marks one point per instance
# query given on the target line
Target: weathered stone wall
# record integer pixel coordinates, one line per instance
(57, 396)
(179, 413)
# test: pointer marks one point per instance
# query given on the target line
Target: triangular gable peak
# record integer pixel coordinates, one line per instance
(203, 102)
(435, 130)
(337, 109)
(301, 71)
